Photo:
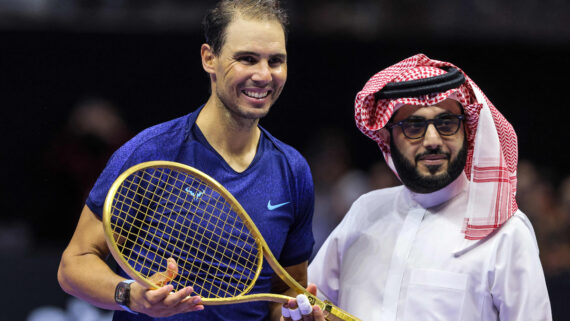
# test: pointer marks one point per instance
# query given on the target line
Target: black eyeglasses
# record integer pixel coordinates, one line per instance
(414, 128)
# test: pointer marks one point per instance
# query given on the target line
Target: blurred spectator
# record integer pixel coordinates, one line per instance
(337, 182)
(337, 185)
(15, 236)
(537, 197)
(76, 310)
(381, 176)
(94, 130)
(549, 210)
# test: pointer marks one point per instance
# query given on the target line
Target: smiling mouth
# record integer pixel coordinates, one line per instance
(432, 157)
(254, 94)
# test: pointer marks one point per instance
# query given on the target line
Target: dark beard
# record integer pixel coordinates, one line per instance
(420, 184)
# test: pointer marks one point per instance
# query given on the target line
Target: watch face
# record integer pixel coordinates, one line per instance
(122, 293)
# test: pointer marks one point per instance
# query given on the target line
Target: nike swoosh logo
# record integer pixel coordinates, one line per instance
(273, 207)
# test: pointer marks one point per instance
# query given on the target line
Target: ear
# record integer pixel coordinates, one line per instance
(385, 134)
(208, 59)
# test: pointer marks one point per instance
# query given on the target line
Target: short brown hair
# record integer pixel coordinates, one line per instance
(217, 20)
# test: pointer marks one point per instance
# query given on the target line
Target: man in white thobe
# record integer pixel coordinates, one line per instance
(449, 244)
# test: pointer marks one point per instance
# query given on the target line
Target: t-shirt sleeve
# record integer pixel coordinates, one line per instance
(160, 142)
(117, 164)
(300, 241)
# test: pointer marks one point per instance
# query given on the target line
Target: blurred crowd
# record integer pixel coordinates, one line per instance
(95, 129)
(337, 181)
(548, 208)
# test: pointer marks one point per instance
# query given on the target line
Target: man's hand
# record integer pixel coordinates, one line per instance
(162, 302)
(300, 309)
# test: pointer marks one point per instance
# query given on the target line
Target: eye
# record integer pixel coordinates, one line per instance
(447, 124)
(446, 120)
(415, 122)
(247, 59)
(276, 61)
(447, 117)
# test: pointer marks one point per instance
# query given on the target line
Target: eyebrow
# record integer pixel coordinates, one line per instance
(416, 117)
(253, 53)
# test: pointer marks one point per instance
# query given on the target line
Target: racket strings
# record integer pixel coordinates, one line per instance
(160, 213)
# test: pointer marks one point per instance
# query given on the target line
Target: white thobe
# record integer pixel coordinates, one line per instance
(399, 255)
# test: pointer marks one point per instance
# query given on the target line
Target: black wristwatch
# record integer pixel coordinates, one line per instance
(123, 295)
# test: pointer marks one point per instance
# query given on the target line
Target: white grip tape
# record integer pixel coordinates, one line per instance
(304, 305)
(295, 314)
(285, 312)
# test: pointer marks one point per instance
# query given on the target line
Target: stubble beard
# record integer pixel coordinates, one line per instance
(410, 176)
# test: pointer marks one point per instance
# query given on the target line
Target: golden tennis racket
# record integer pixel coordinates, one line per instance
(158, 210)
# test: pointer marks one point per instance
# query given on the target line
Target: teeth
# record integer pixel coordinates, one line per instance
(256, 94)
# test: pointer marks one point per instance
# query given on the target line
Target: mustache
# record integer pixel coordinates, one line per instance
(436, 151)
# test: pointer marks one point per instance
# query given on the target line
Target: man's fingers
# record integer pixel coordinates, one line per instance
(304, 307)
(300, 308)
(295, 314)
(164, 277)
(318, 314)
(293, 311)
(163, 302)
(312, 288)
(188, 303)
(285, 313)
(173, 299)
(158, 295)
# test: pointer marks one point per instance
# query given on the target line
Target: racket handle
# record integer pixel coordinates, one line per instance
(333, 313)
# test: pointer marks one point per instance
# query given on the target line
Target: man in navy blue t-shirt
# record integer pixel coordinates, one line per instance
(246, 59)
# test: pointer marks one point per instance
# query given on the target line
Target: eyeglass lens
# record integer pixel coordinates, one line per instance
(447, 126)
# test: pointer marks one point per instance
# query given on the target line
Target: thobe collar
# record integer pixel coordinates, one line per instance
(427, 200)
(459, 185)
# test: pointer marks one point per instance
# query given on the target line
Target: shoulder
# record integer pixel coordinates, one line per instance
(160, 133)
(159, 142)
(156, 142)
(287, 150)
(370, 207)
(295, 160)
(377, 199)
(517, 231)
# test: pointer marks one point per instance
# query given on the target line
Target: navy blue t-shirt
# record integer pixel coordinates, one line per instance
(278, 175)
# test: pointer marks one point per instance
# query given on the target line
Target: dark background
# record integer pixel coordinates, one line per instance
(142, 57)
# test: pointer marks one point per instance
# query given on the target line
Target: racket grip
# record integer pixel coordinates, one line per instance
(333, 313)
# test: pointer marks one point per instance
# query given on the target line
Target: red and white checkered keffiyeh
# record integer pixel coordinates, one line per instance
(492, 143)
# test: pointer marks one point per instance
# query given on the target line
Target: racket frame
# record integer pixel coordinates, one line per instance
(331, 311)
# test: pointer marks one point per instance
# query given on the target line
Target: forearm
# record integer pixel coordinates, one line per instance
(89, 278)
(83, 271)
(299, 273)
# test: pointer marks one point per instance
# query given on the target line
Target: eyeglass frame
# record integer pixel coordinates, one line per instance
(427, 122)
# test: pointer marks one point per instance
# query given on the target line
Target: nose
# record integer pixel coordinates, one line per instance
(432, 139)
(262, 72)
